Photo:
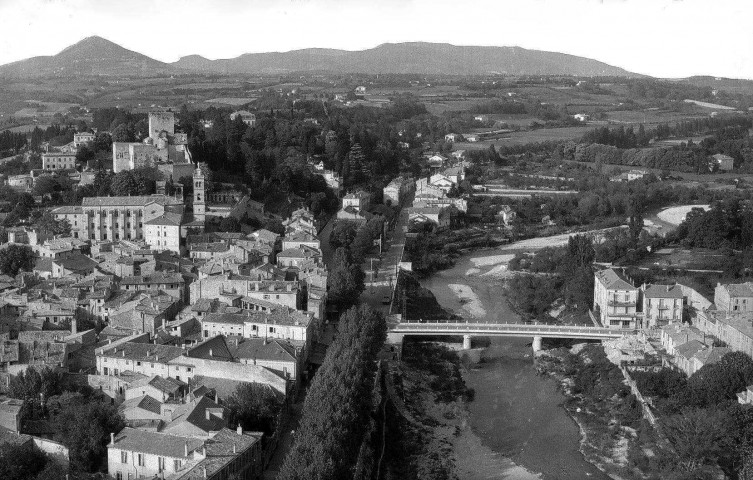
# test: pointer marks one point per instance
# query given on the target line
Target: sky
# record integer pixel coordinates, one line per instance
(662, 38)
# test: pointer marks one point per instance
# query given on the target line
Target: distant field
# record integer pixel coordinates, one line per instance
(709, 105)
(28, 128)
(523, 137)
(235, 101)
(686, 177)
(649, 117)
(672, 142)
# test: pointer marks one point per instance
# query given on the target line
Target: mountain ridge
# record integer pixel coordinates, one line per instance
(98, 56)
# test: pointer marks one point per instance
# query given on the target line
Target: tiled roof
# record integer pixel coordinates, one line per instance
(613, 280)
(143, 352)
(300, 252)
(156, 277)
(279, 316)
(689, 349)
(76, 263)
(194, 412)
(68, 210)
(220, 450)
(138, 201)
(169, 219)
(663, 291)
(739, 289)
(144, 402)
(214, 247)
(711, 355)
(164, 445)
(263, 349)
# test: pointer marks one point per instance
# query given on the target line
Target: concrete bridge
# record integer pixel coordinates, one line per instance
(398, 330)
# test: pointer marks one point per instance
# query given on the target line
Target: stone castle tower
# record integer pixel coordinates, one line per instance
(199, 195)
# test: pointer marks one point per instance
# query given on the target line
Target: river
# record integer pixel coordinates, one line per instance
(518, 428)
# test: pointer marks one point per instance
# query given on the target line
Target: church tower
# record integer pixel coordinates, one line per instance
(199, 195)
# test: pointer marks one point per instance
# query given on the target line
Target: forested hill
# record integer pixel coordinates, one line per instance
(415, 58)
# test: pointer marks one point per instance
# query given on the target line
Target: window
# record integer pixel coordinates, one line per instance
(138, 364)
(118, 476)
(123, 456)
(160, 463)
(176, 465)
(140, 459)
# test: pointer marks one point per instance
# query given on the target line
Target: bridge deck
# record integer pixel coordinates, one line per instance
(507, 329)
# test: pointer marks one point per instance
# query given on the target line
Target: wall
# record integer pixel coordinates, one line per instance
(159, 121)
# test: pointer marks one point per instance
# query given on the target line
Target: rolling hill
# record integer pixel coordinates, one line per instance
(97, 56)
(417, 58)
(90, 56)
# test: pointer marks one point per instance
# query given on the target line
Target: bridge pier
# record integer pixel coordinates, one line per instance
(536, 343)
(466, 342)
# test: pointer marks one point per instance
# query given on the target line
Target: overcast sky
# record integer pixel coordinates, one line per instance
(664, 38)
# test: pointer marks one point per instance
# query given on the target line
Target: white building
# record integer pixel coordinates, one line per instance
(163, 232)
(247, 117)
(82, 138)
(615, 299)
(58, 161)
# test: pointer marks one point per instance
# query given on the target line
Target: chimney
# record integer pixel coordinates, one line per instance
(112, 438)
(205, 472)
(290, 287)
(210, 353)
(74, 326)
(204, 453)
(124, 353)
(207, 414)
(185, 449)
(239, 430)
(235, 449)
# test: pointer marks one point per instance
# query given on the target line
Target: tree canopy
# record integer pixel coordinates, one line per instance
(333, 423)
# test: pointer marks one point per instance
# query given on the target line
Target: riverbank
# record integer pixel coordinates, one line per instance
(517, 417)
(607, 414)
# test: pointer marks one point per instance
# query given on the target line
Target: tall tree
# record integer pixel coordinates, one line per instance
(15, 258)
(346, 280)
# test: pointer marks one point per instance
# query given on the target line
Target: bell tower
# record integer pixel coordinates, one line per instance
(199, 195)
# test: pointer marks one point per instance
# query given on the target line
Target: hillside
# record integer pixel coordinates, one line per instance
(97, 56)
(415, 58)
(90, 56)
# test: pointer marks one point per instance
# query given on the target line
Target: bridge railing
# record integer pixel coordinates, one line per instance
(543, 328)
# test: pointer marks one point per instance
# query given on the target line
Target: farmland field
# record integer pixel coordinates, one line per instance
(530, 136)
(649, 117)
(234, 101)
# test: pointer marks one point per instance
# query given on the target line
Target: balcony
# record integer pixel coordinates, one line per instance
(621, 303)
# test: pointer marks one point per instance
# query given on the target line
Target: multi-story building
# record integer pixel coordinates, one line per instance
(397, 190)
(615, 299)
(281, 292)
(662, 304)
(735, 329)
(82, 138)
(163, 232)
(58, 161)
(163, 148)
(734, 297)
(171, 283)
(116, 218)
(22, 182)
(359, 200)
(247, 117)
(295, 326)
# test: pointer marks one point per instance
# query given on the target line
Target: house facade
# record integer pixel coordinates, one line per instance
(615, 300)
